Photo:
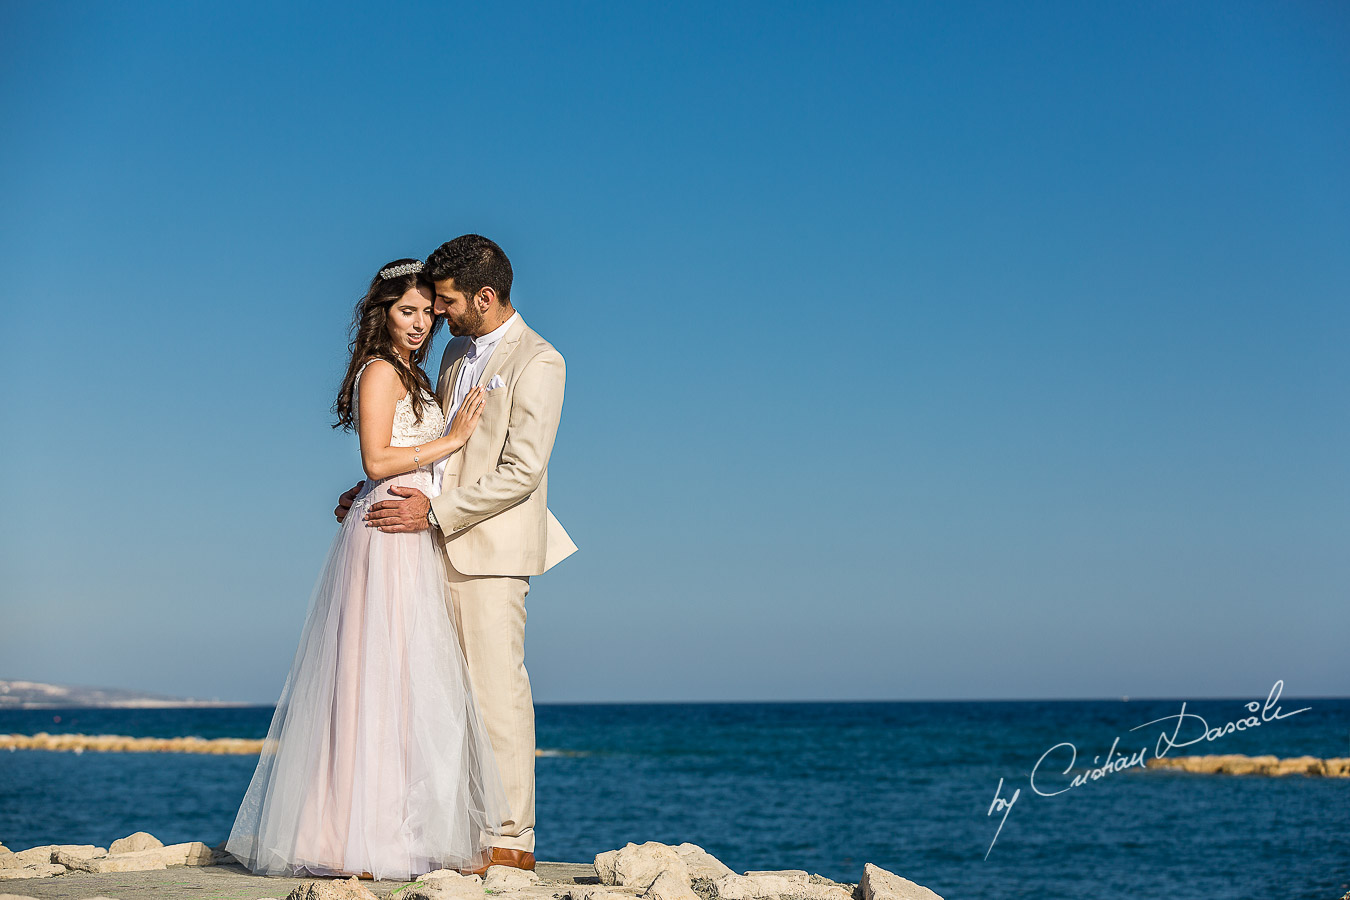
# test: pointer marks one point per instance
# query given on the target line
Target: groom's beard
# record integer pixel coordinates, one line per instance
(468, 324)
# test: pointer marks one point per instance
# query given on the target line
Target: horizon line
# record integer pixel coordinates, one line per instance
(242, 704)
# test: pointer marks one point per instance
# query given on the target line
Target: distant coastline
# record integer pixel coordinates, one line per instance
(37, 695)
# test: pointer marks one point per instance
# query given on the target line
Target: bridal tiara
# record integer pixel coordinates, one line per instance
(396, 271)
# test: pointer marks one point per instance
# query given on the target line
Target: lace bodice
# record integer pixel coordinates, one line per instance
(408, 432)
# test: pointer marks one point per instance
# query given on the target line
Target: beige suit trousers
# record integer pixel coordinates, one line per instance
(490, 613)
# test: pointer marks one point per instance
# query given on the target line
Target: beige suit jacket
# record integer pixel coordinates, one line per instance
(493, 506)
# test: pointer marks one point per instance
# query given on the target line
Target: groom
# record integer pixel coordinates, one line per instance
(490, 504)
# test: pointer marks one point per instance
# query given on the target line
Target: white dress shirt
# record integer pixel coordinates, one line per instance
(475, 361)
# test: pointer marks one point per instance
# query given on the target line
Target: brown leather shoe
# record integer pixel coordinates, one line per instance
(502, 856)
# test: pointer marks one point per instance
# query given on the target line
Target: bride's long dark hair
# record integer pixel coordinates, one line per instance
(370, 340)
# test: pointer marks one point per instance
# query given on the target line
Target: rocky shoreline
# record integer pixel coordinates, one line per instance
(136, 867)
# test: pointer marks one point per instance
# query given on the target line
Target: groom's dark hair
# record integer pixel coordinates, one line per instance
(474, 262)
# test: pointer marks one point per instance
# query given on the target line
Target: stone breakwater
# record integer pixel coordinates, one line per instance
(1237, 764)
(121, 743)
(650, 871)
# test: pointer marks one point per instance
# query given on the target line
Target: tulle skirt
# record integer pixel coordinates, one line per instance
(377, 759)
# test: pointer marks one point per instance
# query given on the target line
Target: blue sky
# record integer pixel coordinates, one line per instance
(915, 351)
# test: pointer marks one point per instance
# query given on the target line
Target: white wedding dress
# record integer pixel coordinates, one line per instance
(377, 759)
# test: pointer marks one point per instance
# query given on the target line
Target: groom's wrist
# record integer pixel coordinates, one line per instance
(431, 518)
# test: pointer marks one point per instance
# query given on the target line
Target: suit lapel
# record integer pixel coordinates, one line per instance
(446, 389)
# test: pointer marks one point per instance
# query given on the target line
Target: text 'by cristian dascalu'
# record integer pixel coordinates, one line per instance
(1049, 786)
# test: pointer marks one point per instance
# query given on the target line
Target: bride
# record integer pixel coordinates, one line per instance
(377, 762)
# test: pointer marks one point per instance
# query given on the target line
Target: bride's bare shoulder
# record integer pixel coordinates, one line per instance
(379, 378)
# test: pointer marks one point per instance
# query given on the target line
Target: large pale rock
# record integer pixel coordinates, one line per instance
(141, 840)
(30, 857)
(16, 897)
(604, 866)
(451, 874)
(701, 863)
(46, 853)
(751, 887)
(191, 853)
(351, 889)
(36, 870)
(445, 884)
(776, 886)
(73, 859)
(637, 865)
(140, 861)
(825, 890)
(670, 886)
(878, 884)
(500, 879)
(8, 858)
(796, 876)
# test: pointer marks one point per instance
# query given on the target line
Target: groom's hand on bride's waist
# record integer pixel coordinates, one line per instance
(401, 515)
(346, 500)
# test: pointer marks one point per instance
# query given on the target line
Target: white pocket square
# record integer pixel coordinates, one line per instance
(495, 383)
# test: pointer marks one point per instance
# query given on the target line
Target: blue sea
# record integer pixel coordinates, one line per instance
(818, 786)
